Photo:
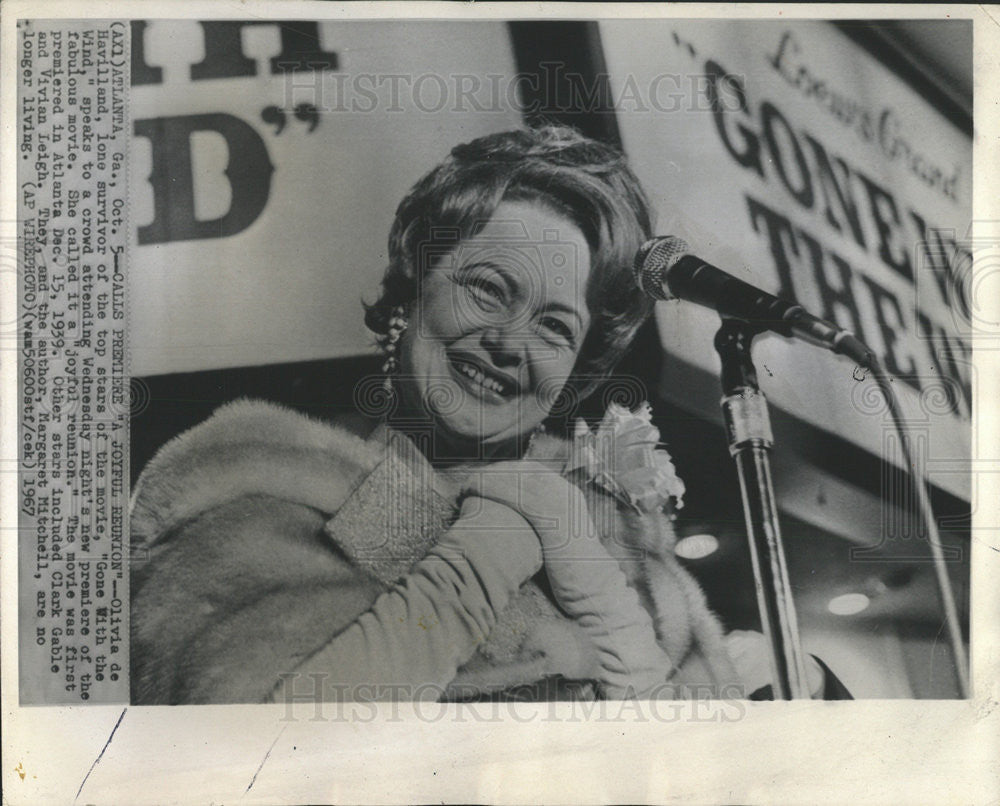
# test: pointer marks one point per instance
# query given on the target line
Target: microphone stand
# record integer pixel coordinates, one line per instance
(748, 427)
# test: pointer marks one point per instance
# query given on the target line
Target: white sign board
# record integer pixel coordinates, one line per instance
(787, 155)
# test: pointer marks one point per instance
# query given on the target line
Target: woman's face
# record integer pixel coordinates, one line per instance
(498, 326)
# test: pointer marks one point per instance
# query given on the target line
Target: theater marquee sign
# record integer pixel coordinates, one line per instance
(794, 159)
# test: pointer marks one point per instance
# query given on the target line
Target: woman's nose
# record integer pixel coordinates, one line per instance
(505, 348)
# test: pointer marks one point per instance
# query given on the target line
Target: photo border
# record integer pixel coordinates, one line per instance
(815, 752)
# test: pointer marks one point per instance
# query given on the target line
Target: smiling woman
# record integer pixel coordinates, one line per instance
(505, 329)
(439, 550)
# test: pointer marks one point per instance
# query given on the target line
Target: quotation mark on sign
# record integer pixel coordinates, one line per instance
(276, 116)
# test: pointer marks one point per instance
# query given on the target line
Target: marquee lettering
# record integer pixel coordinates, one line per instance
(836, 189)
(248, 172)
(224, 56)
(886, 134)
(807, 268)
(855, 207)
(746, 147)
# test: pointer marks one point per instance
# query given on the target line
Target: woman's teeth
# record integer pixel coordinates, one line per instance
(481, 379)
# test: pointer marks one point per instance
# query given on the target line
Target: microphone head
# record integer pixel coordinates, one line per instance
(652, 262)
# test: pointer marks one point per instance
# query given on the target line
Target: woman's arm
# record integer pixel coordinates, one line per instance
(234, 606)
(411, 642)
(235, 609)
(588, 584)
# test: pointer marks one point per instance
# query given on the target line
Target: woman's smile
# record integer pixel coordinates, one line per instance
(482, 379)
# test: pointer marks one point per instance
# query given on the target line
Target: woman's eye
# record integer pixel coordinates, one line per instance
(487, 293)
(559, 327)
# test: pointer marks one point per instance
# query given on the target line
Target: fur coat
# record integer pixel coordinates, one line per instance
(260, 533)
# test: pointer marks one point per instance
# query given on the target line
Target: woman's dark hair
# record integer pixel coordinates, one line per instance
(585, 180)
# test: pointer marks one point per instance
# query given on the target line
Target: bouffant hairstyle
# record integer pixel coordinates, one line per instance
(585, 180)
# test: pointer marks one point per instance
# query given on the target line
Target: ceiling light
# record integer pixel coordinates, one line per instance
(848, 604)
(694, 547)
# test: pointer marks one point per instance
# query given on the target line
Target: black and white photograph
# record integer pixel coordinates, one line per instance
(537, 376)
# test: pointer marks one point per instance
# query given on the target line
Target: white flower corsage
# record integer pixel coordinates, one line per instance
(623, 456)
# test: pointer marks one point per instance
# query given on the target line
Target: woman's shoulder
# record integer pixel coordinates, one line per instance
(227, 526)
(249, 447)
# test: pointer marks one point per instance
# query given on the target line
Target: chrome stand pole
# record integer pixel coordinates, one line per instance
(748, 427)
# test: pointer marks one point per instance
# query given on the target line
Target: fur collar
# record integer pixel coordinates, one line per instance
(247, 447)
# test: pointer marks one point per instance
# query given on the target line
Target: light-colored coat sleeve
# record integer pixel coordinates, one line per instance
(250, 602)
(411, 642)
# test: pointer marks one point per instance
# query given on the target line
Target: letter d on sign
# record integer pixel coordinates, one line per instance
(248, 172)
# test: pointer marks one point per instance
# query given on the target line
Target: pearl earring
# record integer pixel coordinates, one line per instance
(397, 326)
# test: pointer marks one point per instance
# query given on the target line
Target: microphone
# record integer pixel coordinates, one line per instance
(664, 269)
